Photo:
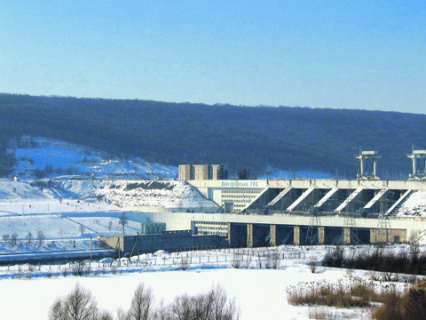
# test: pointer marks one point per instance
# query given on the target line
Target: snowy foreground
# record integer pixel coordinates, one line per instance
(260, 293)
(28, 292)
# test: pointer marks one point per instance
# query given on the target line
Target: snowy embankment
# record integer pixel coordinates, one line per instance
(138, 193)
(415, 205)
(12, 190)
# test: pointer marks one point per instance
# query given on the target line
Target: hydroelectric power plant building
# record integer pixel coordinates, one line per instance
(304, 211)
(301, 211)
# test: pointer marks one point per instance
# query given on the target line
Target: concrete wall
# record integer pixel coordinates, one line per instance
(168, 241)
(386, 235)
(307, 183)
(180, 221)
(233, 191)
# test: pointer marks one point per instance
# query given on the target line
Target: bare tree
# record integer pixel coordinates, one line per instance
(236, 260)
(214, 305)
(182, 308)
(105, 315)
(184, 263)
(123, 221)
(217, 306)
(13, 238)
(162, 312)
(80, 269)
(313, 264)
(414, 249)
(56, 310)
(40, 237)
(272, 259)
(142, 304)
(6, 237)
(29, 237)
(78, 305)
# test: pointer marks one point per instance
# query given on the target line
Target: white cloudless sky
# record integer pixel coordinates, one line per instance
(327, 54)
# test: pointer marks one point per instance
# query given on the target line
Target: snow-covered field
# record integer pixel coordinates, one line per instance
(260, 293)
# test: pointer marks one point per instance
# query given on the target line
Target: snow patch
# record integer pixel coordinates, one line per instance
(415, 205)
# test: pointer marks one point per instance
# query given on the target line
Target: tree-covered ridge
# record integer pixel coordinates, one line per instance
(255, 137)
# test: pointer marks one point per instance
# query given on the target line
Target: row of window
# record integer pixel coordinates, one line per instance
(238, 197)
(218, 228)
(240, 191)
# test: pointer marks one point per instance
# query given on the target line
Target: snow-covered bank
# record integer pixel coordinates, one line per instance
(11, 190)
(138, 193)
(167, 194)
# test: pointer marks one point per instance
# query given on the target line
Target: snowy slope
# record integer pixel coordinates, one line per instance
(61, 158)
(414, 206)
(134, 193)
(19, 190)
(176, 195)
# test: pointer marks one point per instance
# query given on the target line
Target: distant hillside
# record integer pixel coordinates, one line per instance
(286, 138)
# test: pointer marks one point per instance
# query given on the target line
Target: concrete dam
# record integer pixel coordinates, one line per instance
(273, 212)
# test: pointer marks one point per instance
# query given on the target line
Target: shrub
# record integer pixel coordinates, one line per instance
(141, 307)
(378, 259)
(313, 264)
(236, 261)
(214, 305)
(335, 257)
(184, 263)
(341, 295)
(80, 269)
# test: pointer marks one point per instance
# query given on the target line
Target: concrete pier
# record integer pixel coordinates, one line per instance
(347, 236)
(321, 235)
(296, 236)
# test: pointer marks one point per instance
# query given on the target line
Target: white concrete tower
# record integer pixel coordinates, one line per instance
(419, 162)
(368, 156)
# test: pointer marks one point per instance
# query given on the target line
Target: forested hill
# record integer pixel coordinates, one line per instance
(254, 137)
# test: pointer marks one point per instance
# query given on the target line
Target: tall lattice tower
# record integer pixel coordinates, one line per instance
(314, 224)
(351, 224)
(383, 224)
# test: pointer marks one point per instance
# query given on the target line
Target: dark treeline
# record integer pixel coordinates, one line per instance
(412, 261)
(288, 138)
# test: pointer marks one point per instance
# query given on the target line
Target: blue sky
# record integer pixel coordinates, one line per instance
(325, 54)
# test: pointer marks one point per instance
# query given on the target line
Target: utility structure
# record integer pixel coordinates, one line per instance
(314, 235)
(383, 226)
(371, 156)
(419, 165)
(350, 231)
